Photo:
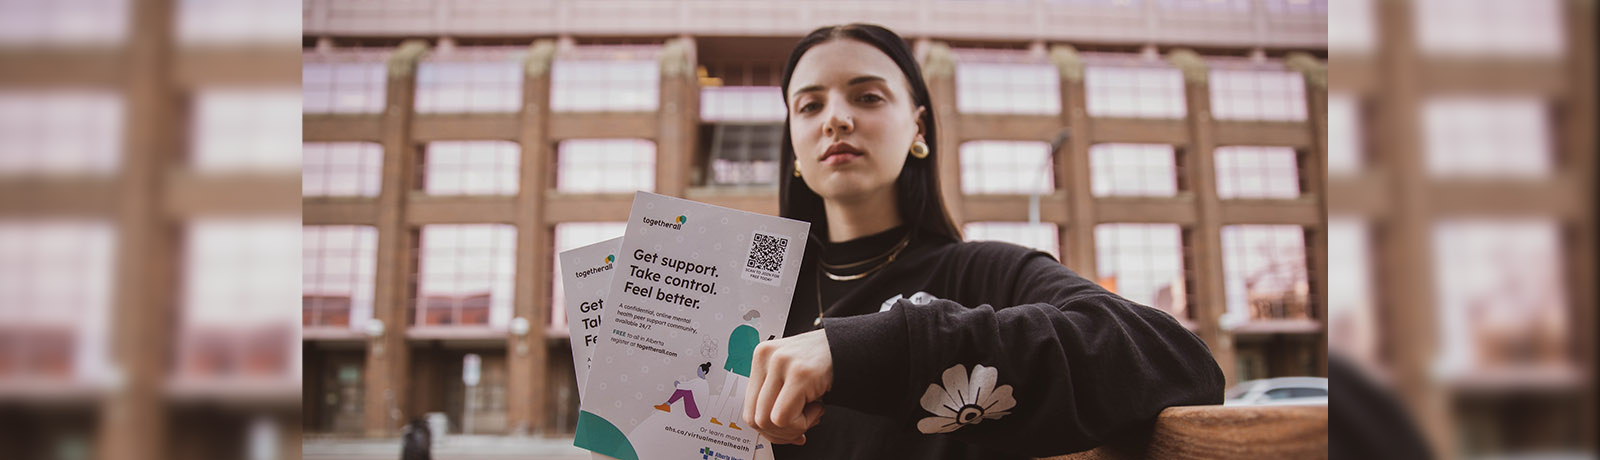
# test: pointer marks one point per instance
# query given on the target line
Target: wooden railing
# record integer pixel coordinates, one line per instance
(1205, 432)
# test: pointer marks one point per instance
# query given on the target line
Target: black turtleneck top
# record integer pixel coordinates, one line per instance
(985, 350)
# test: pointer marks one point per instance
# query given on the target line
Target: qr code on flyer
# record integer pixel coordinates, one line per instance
(765, 261)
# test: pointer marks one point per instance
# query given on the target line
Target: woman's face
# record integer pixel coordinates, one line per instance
(851, 119)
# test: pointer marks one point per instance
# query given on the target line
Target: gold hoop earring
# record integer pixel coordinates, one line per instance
(919, 149)
(796, 167)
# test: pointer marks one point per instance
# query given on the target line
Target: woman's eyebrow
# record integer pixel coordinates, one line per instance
(852, 82)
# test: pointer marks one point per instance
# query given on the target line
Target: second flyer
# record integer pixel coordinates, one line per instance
(696, 287)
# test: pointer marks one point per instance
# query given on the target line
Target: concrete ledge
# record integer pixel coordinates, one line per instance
(1200, 432)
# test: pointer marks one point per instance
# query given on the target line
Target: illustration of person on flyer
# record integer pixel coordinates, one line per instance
(687, 391)
(741, 348)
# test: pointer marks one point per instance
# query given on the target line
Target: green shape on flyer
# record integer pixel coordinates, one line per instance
(741, 349)
(600, 436)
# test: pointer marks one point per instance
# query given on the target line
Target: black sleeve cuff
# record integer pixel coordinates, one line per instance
(870, 360)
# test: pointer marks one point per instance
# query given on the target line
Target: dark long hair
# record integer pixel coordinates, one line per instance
(921, 206)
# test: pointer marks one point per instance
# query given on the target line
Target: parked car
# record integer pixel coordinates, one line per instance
(1278, 391)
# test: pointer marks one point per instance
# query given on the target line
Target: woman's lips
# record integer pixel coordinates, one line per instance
(840, 158)
(840, 153)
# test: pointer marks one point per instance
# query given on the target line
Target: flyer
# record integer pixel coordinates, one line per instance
(586, 276)
(694, 289)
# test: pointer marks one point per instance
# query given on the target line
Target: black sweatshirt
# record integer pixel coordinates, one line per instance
(998, 351)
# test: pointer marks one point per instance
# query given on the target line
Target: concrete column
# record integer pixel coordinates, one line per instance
(527, 354)
(1072, 165)
(1205, 238)
(387, 354)
(133, 423)
(678, 117)
(1313, 168)
(939, 72)
(1578, 133)
(1406, 260)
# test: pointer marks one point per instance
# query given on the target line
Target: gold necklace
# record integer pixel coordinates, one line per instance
(892, 254)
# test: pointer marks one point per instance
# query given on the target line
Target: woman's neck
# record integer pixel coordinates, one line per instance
(851, 219)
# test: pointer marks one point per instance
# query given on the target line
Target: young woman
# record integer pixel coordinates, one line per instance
(903, 341)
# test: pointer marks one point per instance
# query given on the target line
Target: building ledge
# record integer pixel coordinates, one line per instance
(331, 334)
(1278, 326)
(238, 391)
(1549, 379)
(50, 391)
(456, 333)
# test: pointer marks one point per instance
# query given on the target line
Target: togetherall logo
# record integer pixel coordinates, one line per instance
(603, 268)
(675, 224)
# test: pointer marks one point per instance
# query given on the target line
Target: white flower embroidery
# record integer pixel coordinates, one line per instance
(965, 401)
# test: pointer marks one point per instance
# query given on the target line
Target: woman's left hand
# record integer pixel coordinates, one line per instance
(787, 377)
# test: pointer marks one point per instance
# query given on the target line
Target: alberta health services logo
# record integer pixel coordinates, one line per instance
(603, 268)
(707, 454)
(676, 224)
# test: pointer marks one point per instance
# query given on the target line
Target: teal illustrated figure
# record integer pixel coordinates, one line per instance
(687, 391)
(741, 348)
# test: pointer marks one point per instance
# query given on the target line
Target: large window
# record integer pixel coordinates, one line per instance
(1352, 306)
(1133, 170)
(1143, 263)
(1297, 6)
(573, 235)
(1006, 81)
(65, 22)
(55, 298)
(1501, 295)
(605, 166)
(1126, 87)
(238, 277)
(1042, 236)
(60, 132)
(1264, 270)
(1487, 137)
(745, 153)
(240, 130)
(606, 78)
(236, 22)
(1490, 28)
(745, 132)
(1241, 91)
(1205, 6)
(471, 79)
(338, 272)
(341, 169)
(472, 168)
(343, 81)
(464, 274)
(989, 167)
(1257, 172)
(1346, 144)
(1355, 26)
(742, 103)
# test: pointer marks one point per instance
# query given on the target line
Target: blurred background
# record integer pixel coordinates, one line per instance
(149, 228)
(1461, 175)
(1425, 211)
